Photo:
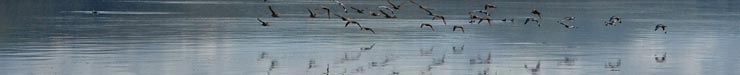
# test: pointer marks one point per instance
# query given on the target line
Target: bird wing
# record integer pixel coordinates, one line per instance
(258, 19)
(489, 22)
(444, 20)
(346, 24)
(391, 3)
(309, 11)
(527, 21)
(656, 27)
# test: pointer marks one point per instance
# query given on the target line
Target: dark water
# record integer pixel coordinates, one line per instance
(136, 37)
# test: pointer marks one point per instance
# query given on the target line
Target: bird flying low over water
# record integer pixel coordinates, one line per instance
(534, 20)
(387, 15)
(274, 13)
(488, 19)
(368, 29)
(394, 6)
(440, 17)
(536, 13)
(328, 11)
(352, 22)
(661, 26)
(489, 5)
(614, 20)
(457, 26)
(263, 22)
(426, 24)
(342, 4)
(426, 10)
(311, 14)
(361, 11)
(343, 18)
(566, 22)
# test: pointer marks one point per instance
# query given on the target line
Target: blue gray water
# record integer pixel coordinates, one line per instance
(150, 37)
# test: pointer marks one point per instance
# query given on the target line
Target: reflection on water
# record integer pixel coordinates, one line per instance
(51, 37)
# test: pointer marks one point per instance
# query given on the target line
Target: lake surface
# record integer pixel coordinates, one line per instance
(150, 37)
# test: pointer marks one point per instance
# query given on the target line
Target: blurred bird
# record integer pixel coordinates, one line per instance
(426, 24)
(457, 26)
(274, 13)
(358, 10)
(328, 11)
(489, 5)
(342, 4)
(369, 29)
(311, 14)
(440, 17)
(263, 22)
(661, 26)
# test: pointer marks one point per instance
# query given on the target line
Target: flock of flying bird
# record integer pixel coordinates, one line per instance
(389, 12)
(393, 8)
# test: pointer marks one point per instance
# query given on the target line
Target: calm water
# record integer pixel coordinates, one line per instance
(136, 37)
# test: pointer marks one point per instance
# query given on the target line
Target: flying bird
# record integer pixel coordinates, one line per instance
(343, 18)
(352, 22)
(661, 26)
(566, 22)
(440, 17)
(457, 26)
(534, 20)
(342, 4)
(490, 22)
(489, 5)
(311, 14)
(274, 13)
(426, 24)
(426, 9)
(263, 22)
(358, 10)
(536, 13)
(394, 6)
(369, 29)
(328, 11)
(387, 15)
(613, 21)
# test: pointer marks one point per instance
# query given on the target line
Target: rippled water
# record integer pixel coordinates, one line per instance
(136, 37)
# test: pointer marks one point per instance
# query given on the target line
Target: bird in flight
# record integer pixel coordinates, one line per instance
(358, 10)
(614, 20)
(263, 22)
(489, 5)
(440, 17)
(342, 4)
(311, 14)
(661, 26)
(368, 29)
(274, 13)
(426, 24)
(328, 11)
(457, 26)
(566, 22)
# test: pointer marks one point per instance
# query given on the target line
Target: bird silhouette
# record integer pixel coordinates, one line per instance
(263, 22)
(440, 17)
(457, 26)
(661, 26)
(274, 13)
(426, 24)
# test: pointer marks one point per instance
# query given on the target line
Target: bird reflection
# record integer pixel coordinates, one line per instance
(613, 65)
(368, 48)
(455, 50)
(660, 59)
